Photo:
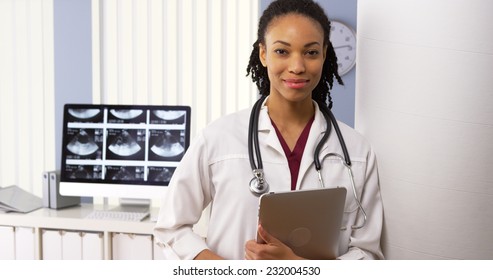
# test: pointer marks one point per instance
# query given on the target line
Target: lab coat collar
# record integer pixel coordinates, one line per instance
(265, 126)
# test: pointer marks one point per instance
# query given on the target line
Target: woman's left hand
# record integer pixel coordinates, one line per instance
(273, 249)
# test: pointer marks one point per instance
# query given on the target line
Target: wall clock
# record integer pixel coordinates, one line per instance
(343, 39)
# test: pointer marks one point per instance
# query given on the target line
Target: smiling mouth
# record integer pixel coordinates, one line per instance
(295, 83)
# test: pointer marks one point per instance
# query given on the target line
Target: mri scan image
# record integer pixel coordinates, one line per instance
(167, 117)
(82, 115)
(84, 143)
(166, 144)
(83, 171)
(160, 174)
(124, 173)
(126, 116)
(126, 143)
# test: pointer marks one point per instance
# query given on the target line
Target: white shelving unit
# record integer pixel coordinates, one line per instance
(66, 234)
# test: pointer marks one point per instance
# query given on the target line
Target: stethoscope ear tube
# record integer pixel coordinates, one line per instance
(253, 135)
(347, 159)
(258, 185)
(316, 159)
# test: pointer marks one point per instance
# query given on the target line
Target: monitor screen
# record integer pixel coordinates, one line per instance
(126, 151)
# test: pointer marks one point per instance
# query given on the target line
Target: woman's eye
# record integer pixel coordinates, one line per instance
(312, 53)
(280, 51)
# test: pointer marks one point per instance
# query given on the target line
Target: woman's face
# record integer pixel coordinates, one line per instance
(294, 55)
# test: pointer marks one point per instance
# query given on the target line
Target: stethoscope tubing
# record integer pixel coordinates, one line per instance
(331, 121)
(258, 185)
(253, 135)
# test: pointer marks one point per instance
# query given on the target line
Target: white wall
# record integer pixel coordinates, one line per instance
(424, 95)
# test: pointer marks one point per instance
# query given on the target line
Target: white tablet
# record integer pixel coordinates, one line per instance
(308, 221)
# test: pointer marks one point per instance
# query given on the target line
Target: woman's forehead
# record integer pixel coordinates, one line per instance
(294, 27)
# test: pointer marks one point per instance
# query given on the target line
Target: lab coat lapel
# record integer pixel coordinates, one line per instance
(316, 132)
(265, 128)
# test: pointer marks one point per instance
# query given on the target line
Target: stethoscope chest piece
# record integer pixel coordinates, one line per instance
(258, 185)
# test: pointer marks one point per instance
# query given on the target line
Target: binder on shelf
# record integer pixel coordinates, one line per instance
(71, 245)
(129, 246)
(92, 246)
(57, 200)
(25, 245)
(52, 244)
(7, 243)
(46, 189)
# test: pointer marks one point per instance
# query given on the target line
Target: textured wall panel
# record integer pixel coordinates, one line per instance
(424, 96)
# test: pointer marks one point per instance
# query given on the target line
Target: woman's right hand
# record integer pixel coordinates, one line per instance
(207, 255)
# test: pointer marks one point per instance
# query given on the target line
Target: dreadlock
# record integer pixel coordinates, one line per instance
(310, 9)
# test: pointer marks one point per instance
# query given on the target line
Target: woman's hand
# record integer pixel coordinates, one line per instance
(207, 255)
(274, 249)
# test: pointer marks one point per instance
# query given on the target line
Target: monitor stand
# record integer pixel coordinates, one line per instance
(133, 205)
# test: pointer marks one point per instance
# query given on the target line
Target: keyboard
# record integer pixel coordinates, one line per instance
(117, 215)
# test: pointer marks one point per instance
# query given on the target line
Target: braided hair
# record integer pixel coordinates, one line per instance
(310, 9)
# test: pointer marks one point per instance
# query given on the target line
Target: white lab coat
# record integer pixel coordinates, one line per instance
(216, 170)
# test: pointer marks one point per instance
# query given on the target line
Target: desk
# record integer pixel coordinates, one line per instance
(49, 228)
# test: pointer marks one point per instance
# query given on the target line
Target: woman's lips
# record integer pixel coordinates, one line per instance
(295, 83)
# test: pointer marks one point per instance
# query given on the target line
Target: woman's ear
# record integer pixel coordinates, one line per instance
(261, 54)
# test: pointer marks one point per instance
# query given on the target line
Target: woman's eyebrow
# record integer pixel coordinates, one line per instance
(288, 44)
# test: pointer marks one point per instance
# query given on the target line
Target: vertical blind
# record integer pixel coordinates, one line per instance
(175, 52)
(27, 121)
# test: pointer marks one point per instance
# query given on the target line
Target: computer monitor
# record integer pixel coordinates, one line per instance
(123, 151)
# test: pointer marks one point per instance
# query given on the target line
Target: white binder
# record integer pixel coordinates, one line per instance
(132, 246)
(71, 245)
(24, 244)
(52, 245)
(92, 246)
(7, 243)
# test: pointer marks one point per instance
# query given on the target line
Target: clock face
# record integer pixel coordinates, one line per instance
(343, 39)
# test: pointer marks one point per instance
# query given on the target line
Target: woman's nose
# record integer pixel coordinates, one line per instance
(296, 64)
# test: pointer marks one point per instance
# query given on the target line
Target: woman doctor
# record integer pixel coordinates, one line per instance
(293, 64)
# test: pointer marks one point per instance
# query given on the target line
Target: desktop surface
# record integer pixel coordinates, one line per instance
(73, 218)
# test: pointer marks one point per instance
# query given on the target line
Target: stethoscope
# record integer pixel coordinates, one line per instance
(259, 186)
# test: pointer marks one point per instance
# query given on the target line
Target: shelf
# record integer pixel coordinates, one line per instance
(73, 219)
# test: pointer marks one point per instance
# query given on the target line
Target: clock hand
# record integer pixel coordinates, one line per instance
(343, 46)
